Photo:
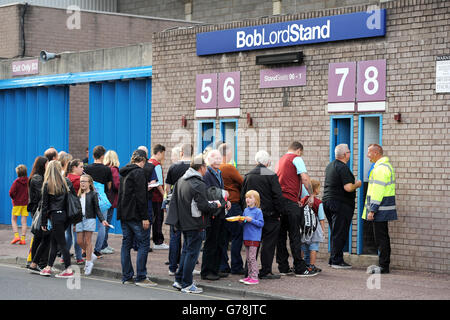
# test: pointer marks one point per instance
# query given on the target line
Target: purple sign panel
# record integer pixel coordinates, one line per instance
(20, 68)
(341, 82)
(282, 77)
(206, 91)
(371, 81)
(229, 90)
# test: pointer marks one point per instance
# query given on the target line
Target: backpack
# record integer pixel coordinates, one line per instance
(103, 201)
(310, 223)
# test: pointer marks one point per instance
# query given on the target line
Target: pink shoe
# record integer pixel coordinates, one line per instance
(46, 272)
(65, 274)
(244, 280)
(251, 281)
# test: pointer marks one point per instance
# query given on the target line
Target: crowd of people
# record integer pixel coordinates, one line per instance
(206, 201)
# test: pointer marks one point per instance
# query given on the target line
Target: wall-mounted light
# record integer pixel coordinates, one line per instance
(249, 120)
(183, 122)
(289, 57)
(398, 117)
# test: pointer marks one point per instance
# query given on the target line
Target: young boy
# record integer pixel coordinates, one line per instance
(19, 196)
(310, 249)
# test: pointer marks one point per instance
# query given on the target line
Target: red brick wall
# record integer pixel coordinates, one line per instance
(418, 146)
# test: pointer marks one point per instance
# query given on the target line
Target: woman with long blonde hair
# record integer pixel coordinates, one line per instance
(55, 191)
(112, 161)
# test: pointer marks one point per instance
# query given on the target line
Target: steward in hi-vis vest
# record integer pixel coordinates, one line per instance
(380, 197)
(380, 204)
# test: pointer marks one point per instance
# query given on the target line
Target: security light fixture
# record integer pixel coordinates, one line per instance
(278, 58)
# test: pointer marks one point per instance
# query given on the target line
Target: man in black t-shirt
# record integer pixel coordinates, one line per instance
(102, 174)
(339, 203)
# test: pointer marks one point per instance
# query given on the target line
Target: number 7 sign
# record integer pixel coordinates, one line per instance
(341, 82)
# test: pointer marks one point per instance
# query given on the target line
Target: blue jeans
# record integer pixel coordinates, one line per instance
(234, 231)
(109, 217)
(100, 233)
(134, 230)
(174, 249)
(189, 256)
(70, 235)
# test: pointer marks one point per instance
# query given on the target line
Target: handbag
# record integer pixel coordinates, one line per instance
(74, 210)
(37, 218)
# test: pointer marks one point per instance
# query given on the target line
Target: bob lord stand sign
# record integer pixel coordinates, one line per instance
(325, 29)
(282, 77)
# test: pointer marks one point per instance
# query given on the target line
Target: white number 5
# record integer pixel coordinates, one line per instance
(206, 89)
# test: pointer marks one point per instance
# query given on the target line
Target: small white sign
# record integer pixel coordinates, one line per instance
(443, 74)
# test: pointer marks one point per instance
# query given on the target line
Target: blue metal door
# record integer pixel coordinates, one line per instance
(206, 134)
(31, 120)
(342, 132)
(120, 119)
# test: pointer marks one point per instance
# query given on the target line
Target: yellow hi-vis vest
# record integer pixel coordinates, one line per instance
(380, 196)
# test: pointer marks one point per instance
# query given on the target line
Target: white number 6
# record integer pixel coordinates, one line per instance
(228, 89)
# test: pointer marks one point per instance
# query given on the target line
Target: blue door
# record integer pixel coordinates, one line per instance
(31, 120)
(341, 131)
(228, 130)
(206, 135)
(370, 131)
(120, 119)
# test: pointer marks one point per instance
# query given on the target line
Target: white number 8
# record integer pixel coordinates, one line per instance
(372, 79)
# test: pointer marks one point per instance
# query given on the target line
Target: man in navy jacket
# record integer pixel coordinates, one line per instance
(215, 233)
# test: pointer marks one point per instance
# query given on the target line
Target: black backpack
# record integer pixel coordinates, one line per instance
(310, 223)
(214, 193)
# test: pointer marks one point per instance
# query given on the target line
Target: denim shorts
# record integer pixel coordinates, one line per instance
(314, 246)
(86, 225)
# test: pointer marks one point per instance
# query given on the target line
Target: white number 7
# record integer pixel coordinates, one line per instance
(344, 72)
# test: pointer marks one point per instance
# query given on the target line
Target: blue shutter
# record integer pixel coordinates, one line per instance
(31, 120)
(120, 119)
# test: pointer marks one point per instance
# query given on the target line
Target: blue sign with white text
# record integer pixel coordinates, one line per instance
(325, 29)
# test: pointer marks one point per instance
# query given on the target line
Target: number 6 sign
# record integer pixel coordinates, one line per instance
(229, 90)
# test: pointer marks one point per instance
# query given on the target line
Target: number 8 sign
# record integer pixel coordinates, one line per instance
(371, 81)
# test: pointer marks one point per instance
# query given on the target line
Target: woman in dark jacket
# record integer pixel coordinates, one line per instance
(54, 207)
(35, 195)
(91, 210)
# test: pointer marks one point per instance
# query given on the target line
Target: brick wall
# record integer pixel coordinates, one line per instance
(10, 43)
(418, 146)
(219, 11)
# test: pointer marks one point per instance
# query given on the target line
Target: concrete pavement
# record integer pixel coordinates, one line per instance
(330, 284)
